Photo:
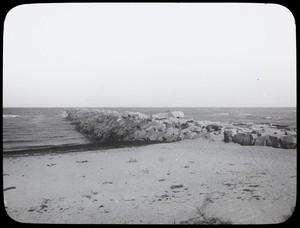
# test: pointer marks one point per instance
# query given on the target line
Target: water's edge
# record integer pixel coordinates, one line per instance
(79, 148)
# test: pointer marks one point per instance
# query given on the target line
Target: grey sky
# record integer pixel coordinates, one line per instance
(149, 55)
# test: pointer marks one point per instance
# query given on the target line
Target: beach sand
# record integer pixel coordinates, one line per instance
(161, 183)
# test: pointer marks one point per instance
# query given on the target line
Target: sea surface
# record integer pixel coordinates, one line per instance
(45, 129)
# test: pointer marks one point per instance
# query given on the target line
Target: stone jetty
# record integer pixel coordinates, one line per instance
(108, 126)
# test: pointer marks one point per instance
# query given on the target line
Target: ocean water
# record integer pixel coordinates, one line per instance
(45, 129)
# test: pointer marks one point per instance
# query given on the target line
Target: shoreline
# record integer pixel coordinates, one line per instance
(159, 183)
(62, 149)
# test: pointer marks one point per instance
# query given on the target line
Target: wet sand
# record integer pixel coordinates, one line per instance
(161, 183)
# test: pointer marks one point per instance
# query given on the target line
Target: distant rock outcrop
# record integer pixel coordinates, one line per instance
(111, 126)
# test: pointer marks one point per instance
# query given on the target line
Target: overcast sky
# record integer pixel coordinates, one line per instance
(149, 55)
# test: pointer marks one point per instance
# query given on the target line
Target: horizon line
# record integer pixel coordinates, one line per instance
(150, 107)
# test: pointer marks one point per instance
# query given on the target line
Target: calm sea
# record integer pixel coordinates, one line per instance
(44, 129)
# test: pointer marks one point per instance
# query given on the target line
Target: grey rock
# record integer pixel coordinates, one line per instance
(190, 135)
(288, 142)
(260, 141)
(177, 114)
(273, 141)
(238, 138)
(140, 135)
(152, 136)
(213, 127)
(247, 140)
(160, 127)
(228, 135)
(161, 116)
(111, 126)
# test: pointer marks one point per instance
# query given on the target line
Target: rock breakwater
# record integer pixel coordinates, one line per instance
(108, 126)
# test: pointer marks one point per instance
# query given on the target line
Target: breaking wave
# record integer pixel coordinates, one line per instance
(7, 116)
(222, 114)
(244, 114)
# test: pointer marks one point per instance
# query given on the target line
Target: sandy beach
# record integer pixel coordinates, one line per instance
(154, 184)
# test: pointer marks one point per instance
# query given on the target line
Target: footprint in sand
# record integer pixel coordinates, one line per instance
(253, 185)
(257, 197)
(131, 160)
(248, 190)
(176, 186)
(94, 193)
(87, 196)
(31, 209)
(52, 164)
(82, 161)
(229, 184)
(145, 171)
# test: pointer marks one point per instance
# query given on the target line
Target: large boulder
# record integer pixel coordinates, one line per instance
(213, 127)
(190, 135)
(177, 114)
(273, 141)
(260, 141)
(238, 138)
(244, 139)
(152, 136)
(214, 137)
(172, 134)
(198, 123)
(149, 127)
(292, 133)
(193, 129)
(160, 126)
(138, 115)
(254, 136)
(288, 142)
(145, 124)
(160, 116)
(140, 135)
(228, 135)
(183, 122)
(169, 123)
(161, 136)
(256, 131)
(247, 140)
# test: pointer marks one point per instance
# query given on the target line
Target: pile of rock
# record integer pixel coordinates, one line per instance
(111, 126)
(263, 135)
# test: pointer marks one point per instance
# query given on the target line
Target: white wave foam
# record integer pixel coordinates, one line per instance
(244, 114)
(222, 114)
(64, 115)
(7, 116)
